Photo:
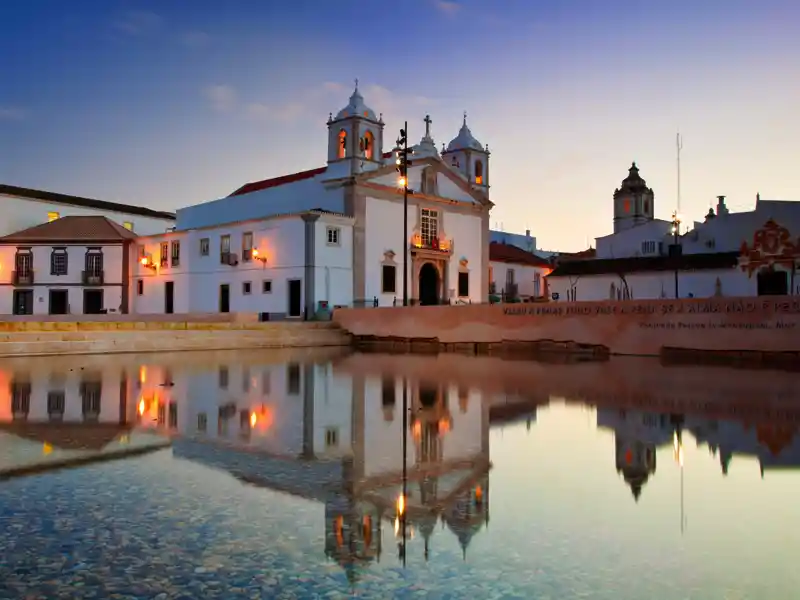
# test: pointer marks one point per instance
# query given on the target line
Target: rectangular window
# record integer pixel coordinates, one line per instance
(91, 392)
(173, 415)
(222, 378)
(292, 378)
(202, 422)
(463, 284)
(247, 246)
(649, 247)
(20, 399)
(224, 249)
(332, 234)
(429, 226)
(245, 379)
(56, 400)
(205, 246)
(247, 287)
(266, 383)
(389, 279)
(94, 262)
(58, 261)
(266, 287)
(388, 392)
(164, 260)
(176, 253)
(331, 437)
(23, 263)
(139, 287)
(128, 225)
(52, 216)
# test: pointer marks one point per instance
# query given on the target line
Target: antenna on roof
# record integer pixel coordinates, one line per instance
(679, 147)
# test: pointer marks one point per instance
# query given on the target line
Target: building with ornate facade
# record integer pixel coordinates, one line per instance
(750, 253)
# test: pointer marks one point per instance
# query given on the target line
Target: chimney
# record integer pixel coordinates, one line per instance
(527, 233)
(721, 208)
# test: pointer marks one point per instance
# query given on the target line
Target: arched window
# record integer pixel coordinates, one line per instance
(626, 206)
(478, 172)
(369, 145)
(342, 152)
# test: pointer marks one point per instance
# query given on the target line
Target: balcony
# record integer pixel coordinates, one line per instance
(441, 244)
(22, 277)
(92, 277)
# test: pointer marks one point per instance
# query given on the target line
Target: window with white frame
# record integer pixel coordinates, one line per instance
(205, 245)
(247, 246)
(429, 226)
(648, 247)
(332, 236)
(58, 261)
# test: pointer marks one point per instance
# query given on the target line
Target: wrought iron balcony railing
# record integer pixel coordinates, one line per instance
(440, 243)
(92, 277)
(23, 277)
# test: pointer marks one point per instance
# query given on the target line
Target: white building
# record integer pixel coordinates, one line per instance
(73, 265)
(448, 215)
(23, 208)
(282, 265)
(728, 254)
(515, 273)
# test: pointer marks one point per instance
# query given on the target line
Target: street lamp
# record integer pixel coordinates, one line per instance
(403, 152)
(676, 248)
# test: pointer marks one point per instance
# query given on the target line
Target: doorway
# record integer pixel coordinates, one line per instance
(224, 298)
(59, 302)
(92, 302)
(773, 283)
(23, 302)
(428, 285)
(295, 297)
(169, 297)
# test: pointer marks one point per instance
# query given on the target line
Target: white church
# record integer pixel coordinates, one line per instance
(749, 253)
(332, 235)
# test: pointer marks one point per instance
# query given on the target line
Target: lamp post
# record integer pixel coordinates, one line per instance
(676, 248)
(403, 152)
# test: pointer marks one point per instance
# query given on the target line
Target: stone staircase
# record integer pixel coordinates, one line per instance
(143, 336)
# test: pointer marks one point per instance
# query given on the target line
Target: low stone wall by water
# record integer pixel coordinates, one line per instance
(767, 325)
(31, 338)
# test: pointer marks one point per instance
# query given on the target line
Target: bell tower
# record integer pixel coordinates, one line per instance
(355, 137)
(468, 156)
(633, 201)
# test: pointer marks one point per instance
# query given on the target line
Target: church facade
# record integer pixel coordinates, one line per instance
(357, 197)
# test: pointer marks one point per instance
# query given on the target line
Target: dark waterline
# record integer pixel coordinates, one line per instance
(625, 479)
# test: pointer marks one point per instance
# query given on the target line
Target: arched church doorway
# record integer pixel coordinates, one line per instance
(773, 283)
(428, 285)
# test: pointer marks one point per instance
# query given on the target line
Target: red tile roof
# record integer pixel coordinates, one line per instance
(507, 253)
(72, 229)
(264, 184)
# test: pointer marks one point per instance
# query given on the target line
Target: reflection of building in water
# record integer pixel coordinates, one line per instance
(42, 394)
(775, 445)
(343, 438)
(637, 435)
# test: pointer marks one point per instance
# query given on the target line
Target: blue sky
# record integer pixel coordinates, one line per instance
(153, 103)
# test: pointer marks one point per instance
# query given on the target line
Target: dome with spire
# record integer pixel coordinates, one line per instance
(634, 183)
(357, 108)
(465, 140)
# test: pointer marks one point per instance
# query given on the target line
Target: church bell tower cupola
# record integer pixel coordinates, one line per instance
(355, 137)
(469, 157)
(633, 201)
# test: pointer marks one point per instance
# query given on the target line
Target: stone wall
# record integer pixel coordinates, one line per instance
(645, 327)
(55, 338)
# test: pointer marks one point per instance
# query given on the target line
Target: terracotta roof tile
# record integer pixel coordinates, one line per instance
(507, 253)
(257, 186)
(72, 229)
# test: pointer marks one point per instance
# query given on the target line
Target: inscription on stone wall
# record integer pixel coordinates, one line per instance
(711, 307)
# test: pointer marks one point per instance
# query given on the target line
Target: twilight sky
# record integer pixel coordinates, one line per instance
(150, 103)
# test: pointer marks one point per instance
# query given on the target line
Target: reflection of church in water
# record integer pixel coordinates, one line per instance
(638, 435)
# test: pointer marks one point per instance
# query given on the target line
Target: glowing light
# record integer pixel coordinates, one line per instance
(141, 406)
(253, 419)
(144, 261)
(396, 525)
(142, 374)
(401, 505)
(678, 446)
(417, 430)
(401, 182)
(478, 494)
(46, 449)
(479, 180)
(255, 252)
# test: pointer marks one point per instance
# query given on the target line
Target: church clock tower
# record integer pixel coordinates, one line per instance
(355, 138)
(633, 201)
(468, 156)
